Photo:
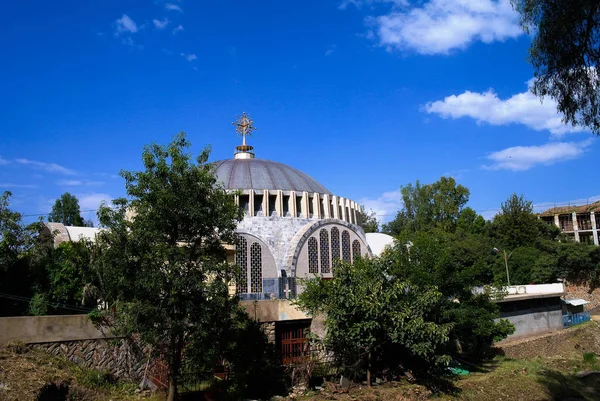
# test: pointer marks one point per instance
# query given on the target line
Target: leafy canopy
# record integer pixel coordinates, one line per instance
(66, 211)
(564, 53)
(161, 262)
(373, 315)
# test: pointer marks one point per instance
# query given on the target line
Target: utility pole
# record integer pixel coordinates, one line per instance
(506, 257)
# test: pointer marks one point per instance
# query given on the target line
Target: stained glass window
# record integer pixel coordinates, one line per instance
(355, 248)
(241, 259)
(255, 268)
(346, 246)
(335, 244)
(313, 257)
(324, 242)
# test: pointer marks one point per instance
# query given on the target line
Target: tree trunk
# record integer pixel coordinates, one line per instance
(369, 369)
(174, 367)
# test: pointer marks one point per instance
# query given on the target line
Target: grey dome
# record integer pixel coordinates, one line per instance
(264, 174)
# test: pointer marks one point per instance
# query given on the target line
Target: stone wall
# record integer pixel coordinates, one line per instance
(269, 329)
(120, 357)
(582, 290)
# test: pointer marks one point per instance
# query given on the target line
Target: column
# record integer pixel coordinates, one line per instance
(336, 207)
(305, 204)
(266, 202)
(595, 228)
(556, 221)
(292, 205)
(344, 215)
(575, 226)
(317, 205)
(251, 199)
(327, 206)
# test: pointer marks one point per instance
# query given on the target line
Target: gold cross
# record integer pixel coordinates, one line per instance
(244, 126)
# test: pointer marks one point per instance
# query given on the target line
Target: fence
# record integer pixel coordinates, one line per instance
(573, 319)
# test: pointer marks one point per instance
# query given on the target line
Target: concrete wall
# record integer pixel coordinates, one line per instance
(535, 321)
(44, 329)
(582, 290)
(275, 310)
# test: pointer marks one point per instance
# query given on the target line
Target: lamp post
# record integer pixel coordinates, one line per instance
(505, 263)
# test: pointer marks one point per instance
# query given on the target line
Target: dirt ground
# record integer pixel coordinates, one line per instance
(544, 368)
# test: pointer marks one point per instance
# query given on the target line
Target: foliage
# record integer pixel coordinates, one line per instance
(163, 270)
(368, 220)
(373, 314)
(66, 211)
(564, 55)
(436, 205)
(17, 252)
(455, 263)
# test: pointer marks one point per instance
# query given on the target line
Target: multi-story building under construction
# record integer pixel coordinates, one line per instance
(582, 222)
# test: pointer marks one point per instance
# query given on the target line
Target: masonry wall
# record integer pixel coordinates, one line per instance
(76, 338)
(535, 320)
(582, 290)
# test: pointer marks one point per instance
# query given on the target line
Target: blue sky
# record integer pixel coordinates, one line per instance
(363, 95)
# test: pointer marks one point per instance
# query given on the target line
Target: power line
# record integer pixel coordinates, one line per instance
(54, 305)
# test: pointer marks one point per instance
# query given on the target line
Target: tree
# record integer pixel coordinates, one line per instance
(428, 206)
(368, 220)
(66, 211)
(377, 320)
(454, 263)
(17, 251)
(564, 53)
(164, 269)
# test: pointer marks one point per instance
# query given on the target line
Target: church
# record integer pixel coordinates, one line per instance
(293, 229)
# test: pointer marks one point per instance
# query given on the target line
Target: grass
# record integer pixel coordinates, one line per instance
(28, 375)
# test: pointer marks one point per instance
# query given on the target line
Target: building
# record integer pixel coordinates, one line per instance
(293, 228)
(580, 222)
(533, 309)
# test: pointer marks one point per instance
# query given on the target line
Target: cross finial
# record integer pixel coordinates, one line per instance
(244, 126)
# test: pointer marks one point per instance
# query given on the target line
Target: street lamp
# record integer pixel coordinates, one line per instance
(505, 263)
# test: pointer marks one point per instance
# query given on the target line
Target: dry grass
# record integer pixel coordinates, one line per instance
(543, 369)
(29, 375)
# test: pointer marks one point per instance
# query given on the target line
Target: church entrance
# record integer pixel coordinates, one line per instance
(292, 340)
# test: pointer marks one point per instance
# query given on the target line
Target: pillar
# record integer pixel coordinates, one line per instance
(336, 207)
(251, 199)
(326, 206)
(344, 215)
(595, 228)
(292, 205)
(575, 226)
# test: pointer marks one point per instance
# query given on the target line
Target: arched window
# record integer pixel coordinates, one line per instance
(241, 259)
(324, 242)
(346, 246)
(355, 248)
(335, 244)
(255, 268)
(313, 256)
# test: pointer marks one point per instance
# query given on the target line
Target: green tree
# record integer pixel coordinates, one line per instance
(428, 206)
(564, 53)
(66, 211)
(368, 220)
(455, 263)
(377, 320)
(164, 270)
(17, 250)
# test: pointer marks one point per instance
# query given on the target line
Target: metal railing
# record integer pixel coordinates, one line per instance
(573, 319)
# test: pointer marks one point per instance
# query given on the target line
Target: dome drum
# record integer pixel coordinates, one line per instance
(265, 203)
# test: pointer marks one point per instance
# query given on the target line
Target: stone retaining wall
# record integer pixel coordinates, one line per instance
(120, 357)
(582, 290)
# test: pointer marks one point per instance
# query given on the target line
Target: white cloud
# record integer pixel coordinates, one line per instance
(92, 201)
(440, 26)
(189, 56)
(177, 29)
(486, 107)
(76, 183)
(125, 25)
(521, 158)
(385, 206)
(12, 185)
(173, 7)
(50, 167)
(158, 24)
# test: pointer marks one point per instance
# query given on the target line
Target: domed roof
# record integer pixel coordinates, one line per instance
(264, 174)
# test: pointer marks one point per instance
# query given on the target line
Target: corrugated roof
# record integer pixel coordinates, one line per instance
(264, 174)
(592, 207)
